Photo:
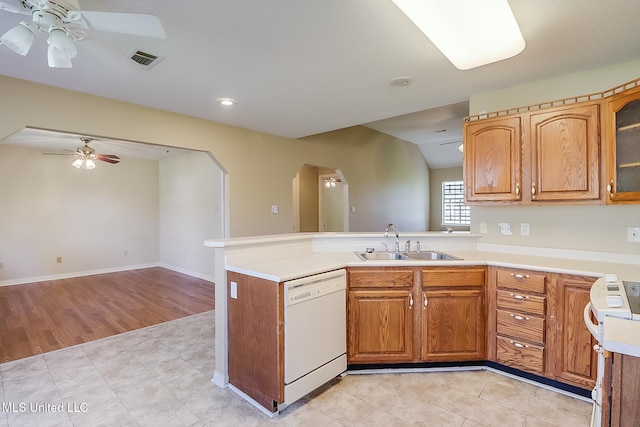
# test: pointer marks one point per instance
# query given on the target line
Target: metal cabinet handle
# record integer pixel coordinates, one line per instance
(610, 189)
(517, 344)
(424, 299)
(533, 191)
(518, 317)
(410, 301)
(520, 297)
(520, 276)
(517, 189)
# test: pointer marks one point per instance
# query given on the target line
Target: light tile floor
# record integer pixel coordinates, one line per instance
(160, 376)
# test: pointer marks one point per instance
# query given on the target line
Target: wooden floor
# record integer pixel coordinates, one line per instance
(39, 317)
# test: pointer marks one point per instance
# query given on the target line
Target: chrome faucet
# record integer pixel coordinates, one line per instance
(407, 246)
(386, 234)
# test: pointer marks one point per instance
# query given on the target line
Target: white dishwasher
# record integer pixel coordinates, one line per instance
(315, 332)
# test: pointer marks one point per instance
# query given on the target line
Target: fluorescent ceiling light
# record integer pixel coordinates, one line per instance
(470, 33)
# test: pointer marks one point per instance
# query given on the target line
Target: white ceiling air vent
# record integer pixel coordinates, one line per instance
(145, 59)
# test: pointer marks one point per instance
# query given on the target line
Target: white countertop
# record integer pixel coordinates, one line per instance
(301, 265)
(621, 336)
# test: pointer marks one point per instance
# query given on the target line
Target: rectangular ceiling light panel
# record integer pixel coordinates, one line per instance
(470, 33)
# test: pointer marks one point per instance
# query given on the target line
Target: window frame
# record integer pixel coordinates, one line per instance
(462, 218)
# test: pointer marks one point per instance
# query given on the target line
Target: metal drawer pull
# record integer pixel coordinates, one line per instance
(518, 317)
(424, 297)
(517, 344)
(520, 276)
(521, 297)
(410, 301)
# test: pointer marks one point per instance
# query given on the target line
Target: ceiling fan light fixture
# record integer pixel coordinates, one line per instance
(468, 32)
(20, 38)
(61, 48)
(83, 163)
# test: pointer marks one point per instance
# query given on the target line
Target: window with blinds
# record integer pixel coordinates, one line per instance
(454, 211)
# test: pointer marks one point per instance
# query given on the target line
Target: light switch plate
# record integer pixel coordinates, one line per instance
(505, 228)
(234, 290)
(524, 228)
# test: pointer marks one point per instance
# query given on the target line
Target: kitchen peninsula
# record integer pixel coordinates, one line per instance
(562, 273)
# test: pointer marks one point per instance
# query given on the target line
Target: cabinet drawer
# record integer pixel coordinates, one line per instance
(381, 279)
(523, 280)
(520, 302)
(520, 325)
(448, 277)
(520, 354)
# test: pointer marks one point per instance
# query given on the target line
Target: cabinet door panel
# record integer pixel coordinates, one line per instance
(380, 326)
(492, 159)
(565, 154)
(623, 147)
(575, 360)
(453, 325)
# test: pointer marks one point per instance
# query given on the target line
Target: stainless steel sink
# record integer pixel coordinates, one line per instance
(389, 256)
(430, 255)
(382, 256)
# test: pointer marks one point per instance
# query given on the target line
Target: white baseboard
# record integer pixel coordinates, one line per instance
(70, 275)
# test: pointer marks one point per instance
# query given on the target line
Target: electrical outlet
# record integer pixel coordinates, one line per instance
(274, 209)
(505, 228)
(484, 227)
(524, 228)
(59, 260)
(633, 234)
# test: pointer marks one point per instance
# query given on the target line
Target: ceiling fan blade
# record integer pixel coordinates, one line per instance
(109, 158)
(136, 24)
(14, 9)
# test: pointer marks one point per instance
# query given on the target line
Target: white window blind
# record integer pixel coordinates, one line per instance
(454, 211)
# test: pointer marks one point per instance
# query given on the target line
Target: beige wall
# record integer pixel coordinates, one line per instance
(598, 228)
(388, 177)
(437, 177)
(308, 185)
(97, 220)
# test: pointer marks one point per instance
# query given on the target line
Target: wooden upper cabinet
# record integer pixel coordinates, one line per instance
(492, 158)
(623, 147)
(565, 153)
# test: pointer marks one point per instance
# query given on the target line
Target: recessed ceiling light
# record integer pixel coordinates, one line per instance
(226, 101)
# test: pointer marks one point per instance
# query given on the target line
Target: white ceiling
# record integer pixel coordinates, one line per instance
(303, 67)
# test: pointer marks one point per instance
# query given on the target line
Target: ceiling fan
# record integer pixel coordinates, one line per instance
(66, 24)
(86, 155)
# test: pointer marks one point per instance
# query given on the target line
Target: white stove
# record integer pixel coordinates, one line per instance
(612, 301)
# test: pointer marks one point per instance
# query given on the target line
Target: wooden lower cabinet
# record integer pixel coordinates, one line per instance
(414, 314)
(256, 338)
(575, 362)
(535, 324)
(625, 391)
(453, 314)
(380, 326)
(453, 325)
